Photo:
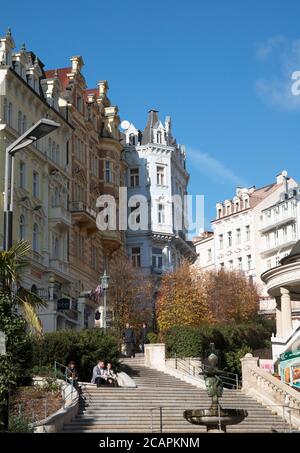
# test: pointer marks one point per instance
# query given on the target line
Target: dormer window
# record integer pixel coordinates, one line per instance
(246, 203)
(158, 137)
(132, 139)
(219, 213)
(228, 209)
(236, 206)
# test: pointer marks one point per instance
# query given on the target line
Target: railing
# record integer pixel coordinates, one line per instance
(188, 366)
(160, 408)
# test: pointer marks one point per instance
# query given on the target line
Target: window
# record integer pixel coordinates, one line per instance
(246, 203)
(57, 155)
(277, 260)
(238, 236)
(294, 231)
(230, 263)
(248, 233)
(10, 114)
(161, 213)
(134, 177)
(221, 241)
(156, 258)
(22, 228)
(240, 263)
(236, 206)
(79, 246)
(158, 137)
(78, 103)
(276, 237)
(219, 213)
(94, 257)
(249, 261)
(229, 238)
(284, 233)
(20, 122)
(160, 175)
(269, 264)
(268, 242)
(36, 238)
(209, 255)
(132, 139)
(5, 111)
(35, 184)
(24, 124)
(108, 172)
(228, 209)
(136, 256)
(56, 248)
(222, 265)
(22, 170)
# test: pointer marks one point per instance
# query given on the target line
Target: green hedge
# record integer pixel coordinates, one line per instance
(85, 347)
(232, 341)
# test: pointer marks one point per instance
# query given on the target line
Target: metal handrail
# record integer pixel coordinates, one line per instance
(229, 378)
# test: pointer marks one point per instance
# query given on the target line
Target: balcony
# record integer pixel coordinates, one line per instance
(83, 215)
(111, 239)
(274, 248)
(60, 216)
(59, 265)
(272, 223)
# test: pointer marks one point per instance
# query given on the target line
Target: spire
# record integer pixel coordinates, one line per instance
(151, 121)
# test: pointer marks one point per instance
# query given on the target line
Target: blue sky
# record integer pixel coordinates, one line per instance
(220, 69)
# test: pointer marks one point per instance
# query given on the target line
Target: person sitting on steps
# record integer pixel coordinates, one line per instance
(99, 374)
(111, 376)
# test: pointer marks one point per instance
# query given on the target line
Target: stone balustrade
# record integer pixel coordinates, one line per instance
(270, 391)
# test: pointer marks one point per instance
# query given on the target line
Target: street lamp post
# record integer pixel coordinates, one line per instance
(43, 127)
(104, 284)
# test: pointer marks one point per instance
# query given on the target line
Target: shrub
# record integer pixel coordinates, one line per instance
(19, 424)
(85, 347)
(231, 340)
(152, 337)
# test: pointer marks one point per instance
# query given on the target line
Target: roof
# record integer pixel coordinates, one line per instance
(152, 120)
(61, 73)
(293, 256)
(262, 192)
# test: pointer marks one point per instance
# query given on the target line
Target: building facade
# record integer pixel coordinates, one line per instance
(42, 176)
(253, 231)
(97, 168)
(156, 170)
(58, 180)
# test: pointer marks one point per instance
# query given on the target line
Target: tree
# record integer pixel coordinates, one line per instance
(12, 265)
(231, 296)
(182, 298)
(130, 294)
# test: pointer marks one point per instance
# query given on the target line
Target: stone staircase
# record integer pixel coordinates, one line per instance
(126, 410)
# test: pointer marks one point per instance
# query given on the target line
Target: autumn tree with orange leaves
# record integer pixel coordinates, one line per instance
(182, 298)
(189, 296)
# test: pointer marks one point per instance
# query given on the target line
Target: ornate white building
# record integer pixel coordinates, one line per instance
(156, 170)
(253, 231)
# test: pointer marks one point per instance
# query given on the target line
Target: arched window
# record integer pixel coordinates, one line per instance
(131, 139)
(24, 124)
(10, 114)
(20, 122)
(22, 227)
(158, 136)
(56, 248)
(36, 238)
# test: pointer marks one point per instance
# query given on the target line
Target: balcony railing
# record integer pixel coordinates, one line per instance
(60, 214)
(82, 207)
(273, 222)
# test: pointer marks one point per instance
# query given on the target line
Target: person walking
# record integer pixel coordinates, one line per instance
(144, 337)
(129, 340)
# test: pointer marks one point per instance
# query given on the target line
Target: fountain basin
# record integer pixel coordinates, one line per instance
(215, 418)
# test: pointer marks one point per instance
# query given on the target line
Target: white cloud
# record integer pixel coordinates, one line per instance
(214, 169)
(283, 57)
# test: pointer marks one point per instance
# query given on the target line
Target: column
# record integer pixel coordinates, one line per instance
(278, 317)
(286, 312)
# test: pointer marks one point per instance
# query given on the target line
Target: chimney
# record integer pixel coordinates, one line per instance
(77, 64)
(282, 178)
